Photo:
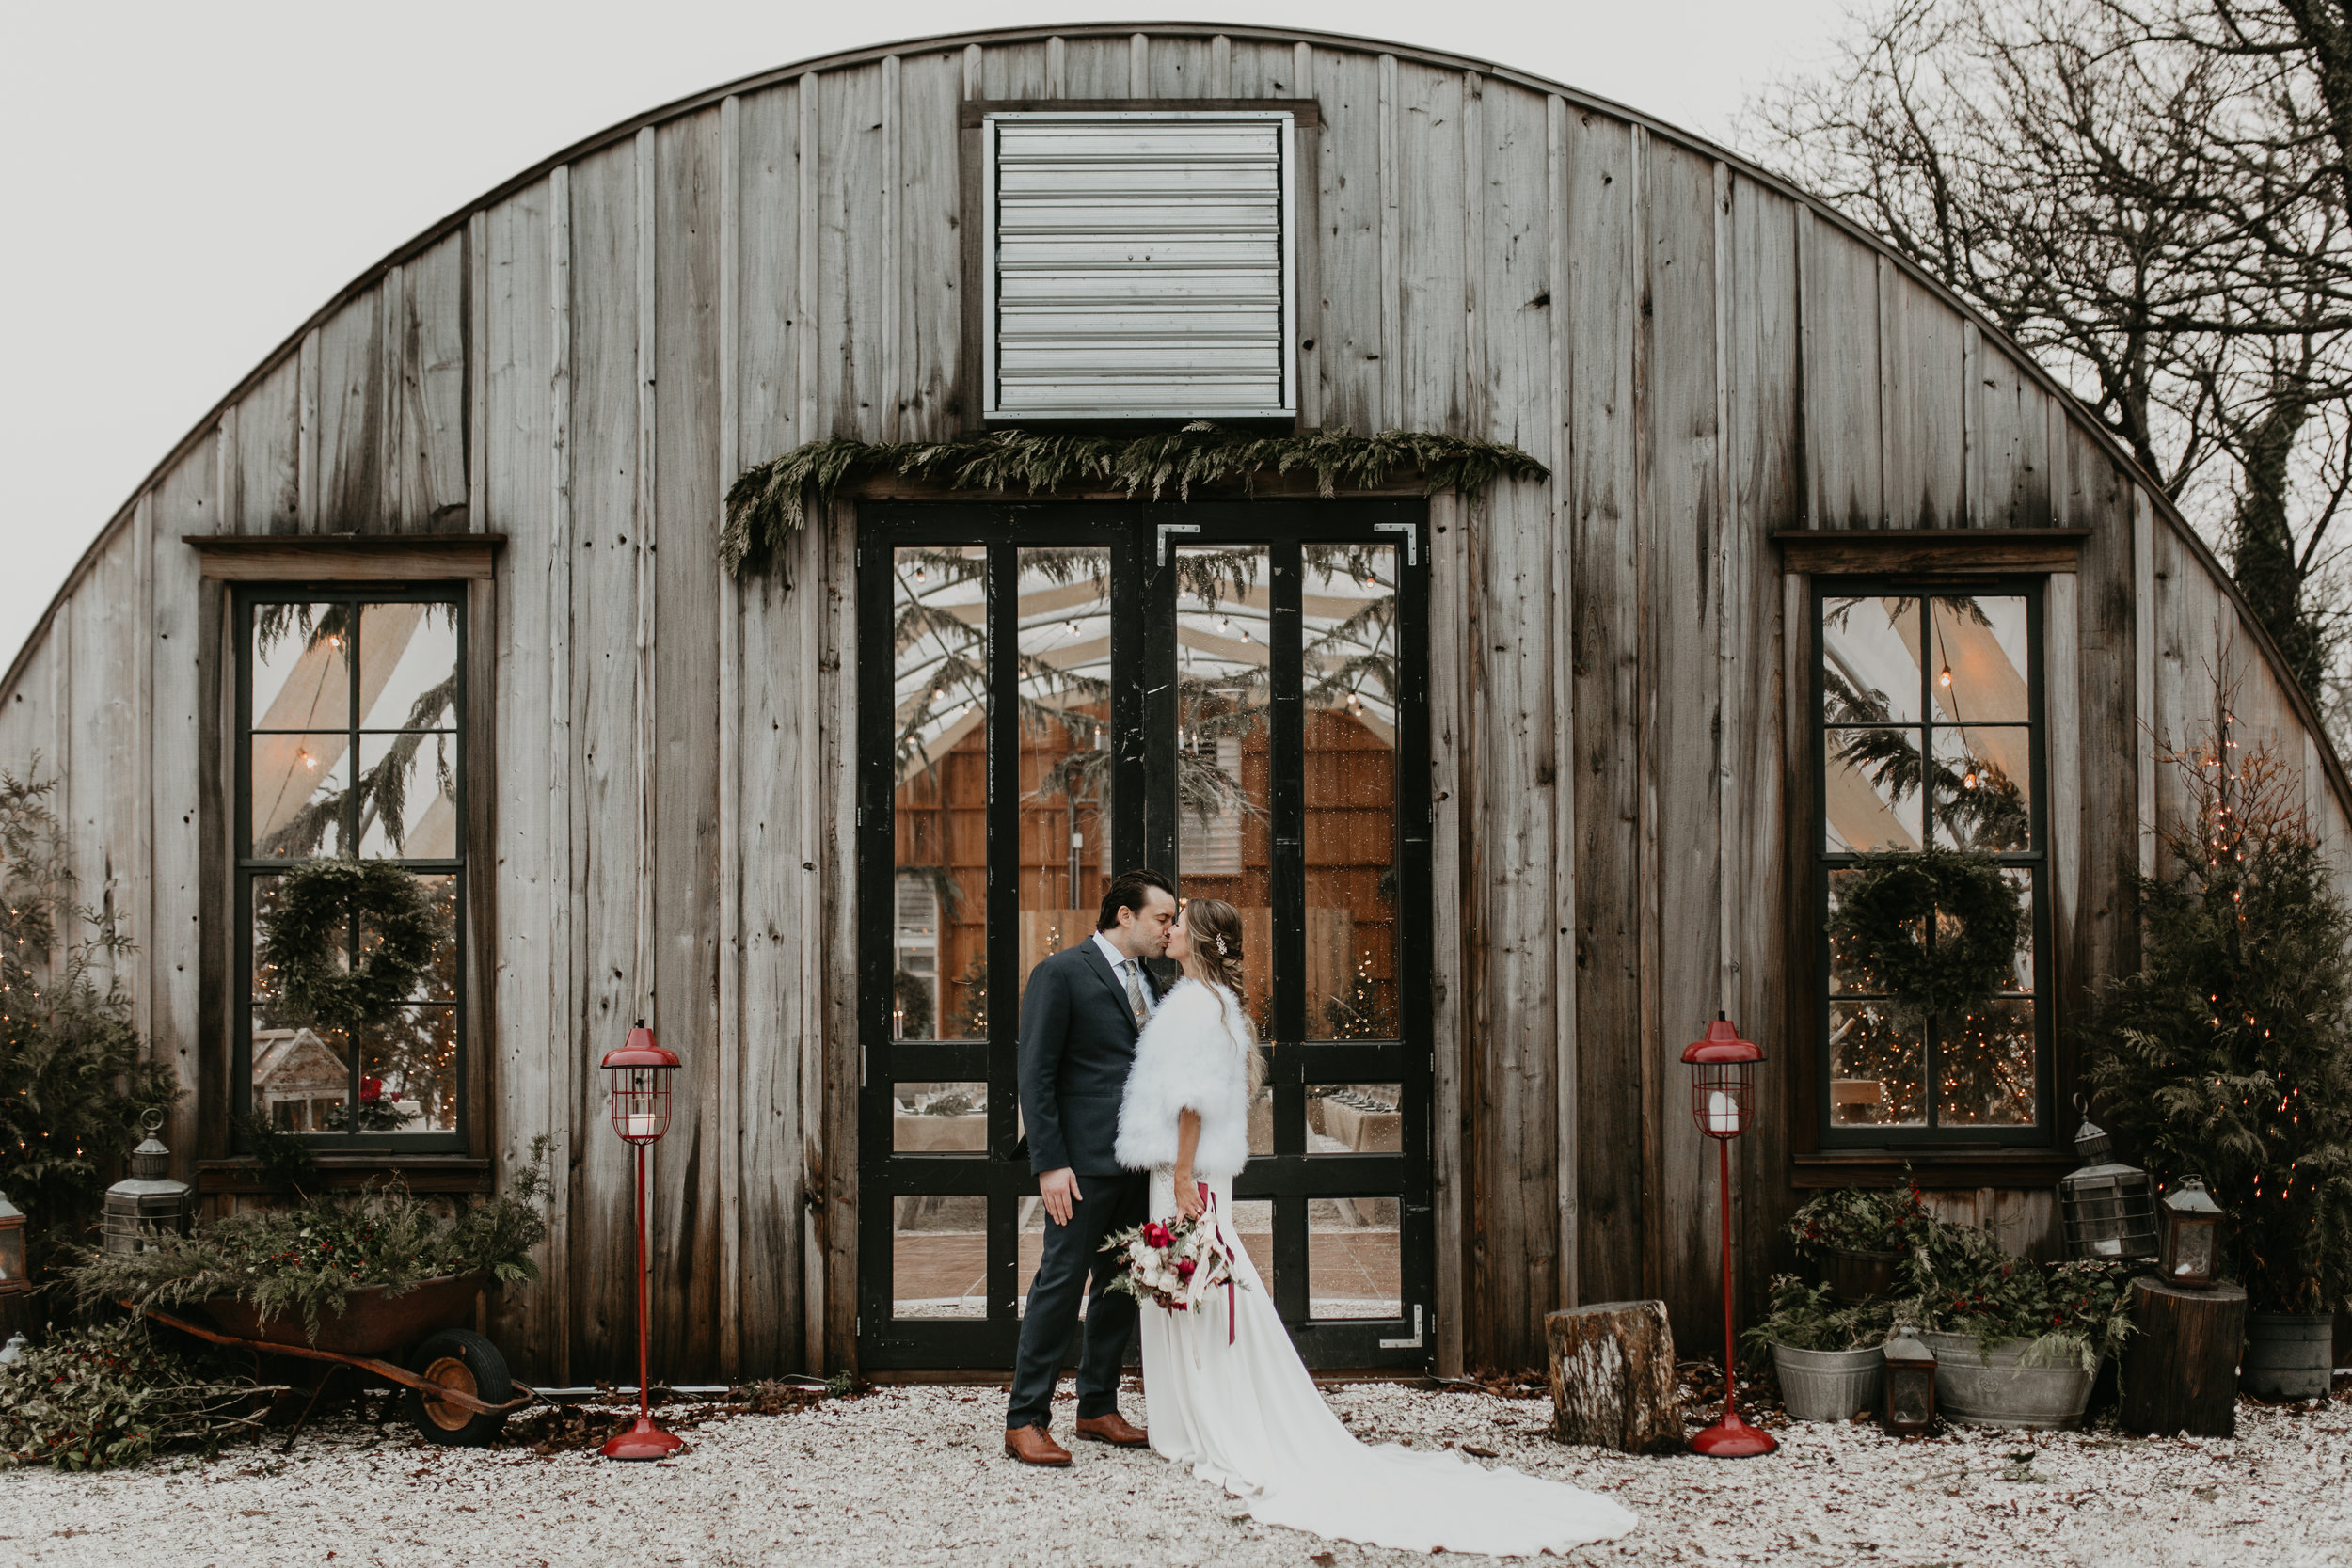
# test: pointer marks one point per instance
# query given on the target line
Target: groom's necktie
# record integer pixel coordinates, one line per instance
(1134, 994)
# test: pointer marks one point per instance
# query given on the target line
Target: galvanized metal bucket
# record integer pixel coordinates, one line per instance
(2289, 1356)
(1994, 1388)
(1829, 1385)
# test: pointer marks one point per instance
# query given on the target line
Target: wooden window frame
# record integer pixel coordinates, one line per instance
(462, 565)
(968, 402)
(1968, 560)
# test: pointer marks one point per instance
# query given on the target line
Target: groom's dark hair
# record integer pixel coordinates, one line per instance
(1128, 892)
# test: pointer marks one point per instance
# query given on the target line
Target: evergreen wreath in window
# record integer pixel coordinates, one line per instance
(302, 945)
(1881, 922)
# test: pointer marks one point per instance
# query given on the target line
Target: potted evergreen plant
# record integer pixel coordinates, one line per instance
(1858, 1234)
(2228, 1055)
(1826, 1356)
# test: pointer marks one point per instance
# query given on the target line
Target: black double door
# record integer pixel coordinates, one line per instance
(1234, 694)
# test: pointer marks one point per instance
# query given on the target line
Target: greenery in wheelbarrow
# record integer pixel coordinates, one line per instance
(309, 1257)
(95, 1399)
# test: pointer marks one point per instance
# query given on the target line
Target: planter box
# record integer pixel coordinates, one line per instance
(1992, 1388)
(2289, 1356)
(1829, 1385)
(1856, 1276)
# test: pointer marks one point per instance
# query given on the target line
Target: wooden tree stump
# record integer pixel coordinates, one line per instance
(1613, 1376)
(2180, 1370)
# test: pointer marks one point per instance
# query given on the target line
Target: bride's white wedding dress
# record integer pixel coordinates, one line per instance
(1227, 1395)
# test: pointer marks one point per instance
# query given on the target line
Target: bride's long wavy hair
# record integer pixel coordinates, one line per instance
(1214, 926)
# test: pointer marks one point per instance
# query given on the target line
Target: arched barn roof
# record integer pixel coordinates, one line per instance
(2167, 514)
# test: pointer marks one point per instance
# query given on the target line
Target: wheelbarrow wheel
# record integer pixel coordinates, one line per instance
(461, 1360)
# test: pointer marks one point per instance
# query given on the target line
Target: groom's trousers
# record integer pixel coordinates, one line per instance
(1073, 1254)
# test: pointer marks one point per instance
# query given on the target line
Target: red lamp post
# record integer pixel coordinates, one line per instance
(1722, 1100)
(638, 1076)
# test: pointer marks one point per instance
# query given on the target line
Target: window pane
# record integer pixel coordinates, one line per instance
(939, 603)
(1223, 773)
(298, 787)
(300, 680)
(1348, 608)
(408, 666)
(1352, 1258)
(1848, 975)
(407, 797)
(939, 1257)
(1983, 780)
(1870, 789)
(940, 1119)
(1985, 1067)
(1063, 611)
(301, 1075)
(441, 983)
(1979, 653)
(408, 1073)
(1870, 660)
(1877, 1068)
(1355, 1119)
(2021, 975)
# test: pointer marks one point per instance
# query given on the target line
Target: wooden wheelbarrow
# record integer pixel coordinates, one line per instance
(458, 1389)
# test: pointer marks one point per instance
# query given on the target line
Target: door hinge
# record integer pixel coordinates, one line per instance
(1413, 539)
(1167, 529)
(1413, 1343)
(861, 1328)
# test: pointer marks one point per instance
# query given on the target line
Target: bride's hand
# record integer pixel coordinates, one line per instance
(1188, 1200)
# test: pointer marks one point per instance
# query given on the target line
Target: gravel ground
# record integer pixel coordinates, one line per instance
(917, 1475)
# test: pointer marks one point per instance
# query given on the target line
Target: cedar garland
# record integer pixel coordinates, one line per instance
(771, 500)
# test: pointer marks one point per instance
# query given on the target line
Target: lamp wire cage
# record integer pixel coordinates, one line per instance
(2107, 1209)
(147, 1203)
(641, 1102)
(1723, 1097)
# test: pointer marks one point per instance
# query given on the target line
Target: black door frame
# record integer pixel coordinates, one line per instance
(1143, 712)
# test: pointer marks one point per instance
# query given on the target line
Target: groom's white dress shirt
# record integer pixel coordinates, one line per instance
(1119, 967)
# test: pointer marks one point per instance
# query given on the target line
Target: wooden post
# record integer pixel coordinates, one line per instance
(2180, 1369)
(1613, 1376)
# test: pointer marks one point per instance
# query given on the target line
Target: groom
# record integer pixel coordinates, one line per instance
(1080, 1017)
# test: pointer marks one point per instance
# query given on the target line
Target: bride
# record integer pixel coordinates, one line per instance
(1231, 1399)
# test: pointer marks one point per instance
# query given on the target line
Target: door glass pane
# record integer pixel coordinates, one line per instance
(1355, 1119)
(1878, 1066)
(1985, 1067)
(1223, 773)
(940, 1119)
(1348, 671)
(939, 1257)
(1065, 629)
(1870, 794)
(939, 641)
(1352, 1258)
(1983, 782)
(300, 679)
(1870, 660)
(1977, 651)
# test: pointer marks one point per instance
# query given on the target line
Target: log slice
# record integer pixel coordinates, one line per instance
(1613, 1376)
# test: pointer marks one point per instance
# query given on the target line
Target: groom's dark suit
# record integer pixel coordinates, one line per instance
(1077, 1043)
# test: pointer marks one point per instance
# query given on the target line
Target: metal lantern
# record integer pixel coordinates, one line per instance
(2108, 1208)
(14, 1276)
(2192, 1234)
(1723, 1100)
(638, 1076)
(148, 1202)
(1907, 1407)
(638, 1073)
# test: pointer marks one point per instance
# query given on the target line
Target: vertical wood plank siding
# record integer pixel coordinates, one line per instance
(582, 362)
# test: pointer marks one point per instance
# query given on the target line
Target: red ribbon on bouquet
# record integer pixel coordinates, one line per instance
(1208, 1200)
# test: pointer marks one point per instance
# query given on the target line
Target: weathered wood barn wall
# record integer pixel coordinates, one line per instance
(581, 362)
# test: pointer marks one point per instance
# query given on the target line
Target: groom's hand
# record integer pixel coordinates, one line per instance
(1060, 1189)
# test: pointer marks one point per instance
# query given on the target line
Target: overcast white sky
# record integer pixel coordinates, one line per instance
(187, 182)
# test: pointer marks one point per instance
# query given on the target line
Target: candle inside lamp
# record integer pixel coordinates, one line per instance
(638, 1125)
(1723, 1112)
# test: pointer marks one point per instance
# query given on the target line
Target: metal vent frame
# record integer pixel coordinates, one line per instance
(1284, 407)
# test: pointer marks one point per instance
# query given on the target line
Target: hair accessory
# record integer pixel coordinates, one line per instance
(1220, 945)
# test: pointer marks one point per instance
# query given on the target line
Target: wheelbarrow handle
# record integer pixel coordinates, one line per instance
(385, 1369)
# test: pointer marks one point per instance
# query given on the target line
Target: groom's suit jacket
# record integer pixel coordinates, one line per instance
(1077, 1041)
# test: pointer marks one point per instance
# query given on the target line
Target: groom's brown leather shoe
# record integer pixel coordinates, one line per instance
(1113, 1428)
(1036, 1446)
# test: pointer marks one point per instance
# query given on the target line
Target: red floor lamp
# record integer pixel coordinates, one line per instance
(639, 1075)
(1722, 1103)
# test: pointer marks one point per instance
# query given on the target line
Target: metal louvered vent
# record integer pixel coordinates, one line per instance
(1140, 265)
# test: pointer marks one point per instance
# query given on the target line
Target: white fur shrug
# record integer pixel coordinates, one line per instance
(1193, 1055)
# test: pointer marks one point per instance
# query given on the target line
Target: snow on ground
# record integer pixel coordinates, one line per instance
(917, 1476)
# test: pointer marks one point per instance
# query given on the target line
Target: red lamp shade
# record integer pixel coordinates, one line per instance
(1723, 1080)
(639, 1075)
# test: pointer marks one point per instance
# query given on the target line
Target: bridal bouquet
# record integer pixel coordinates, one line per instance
(1174, 1265)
